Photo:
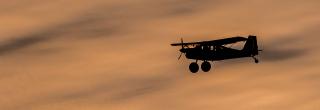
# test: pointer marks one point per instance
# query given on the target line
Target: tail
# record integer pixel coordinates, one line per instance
(251, 46)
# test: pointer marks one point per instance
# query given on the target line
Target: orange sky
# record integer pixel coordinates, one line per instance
(115, 55)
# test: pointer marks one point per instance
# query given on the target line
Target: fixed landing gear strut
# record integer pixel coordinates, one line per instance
(205, 66)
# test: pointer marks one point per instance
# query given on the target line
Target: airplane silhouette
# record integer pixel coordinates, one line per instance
(216, 50)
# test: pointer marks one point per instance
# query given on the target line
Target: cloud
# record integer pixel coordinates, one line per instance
(98, 22)
(23, 42)
(274, 51)
(114, 91)
(81, 26)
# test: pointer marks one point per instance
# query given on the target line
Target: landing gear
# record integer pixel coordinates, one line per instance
(255, 60)
(194, 67)
(205, 66)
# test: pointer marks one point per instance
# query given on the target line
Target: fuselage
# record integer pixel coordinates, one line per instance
(214, 54)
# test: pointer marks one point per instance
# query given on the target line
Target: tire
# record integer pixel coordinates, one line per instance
(194, 67)
(205, 66)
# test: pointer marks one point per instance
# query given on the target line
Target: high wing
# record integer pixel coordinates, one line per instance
(214, 42)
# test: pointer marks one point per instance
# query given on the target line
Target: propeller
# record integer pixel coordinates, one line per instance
(182, 46)
(181, 50)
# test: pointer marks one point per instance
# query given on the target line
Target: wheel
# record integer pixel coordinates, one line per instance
(205, 66)
(194, 67)
(256, 60)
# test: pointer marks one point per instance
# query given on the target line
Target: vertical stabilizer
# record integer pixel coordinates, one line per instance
(251, 46)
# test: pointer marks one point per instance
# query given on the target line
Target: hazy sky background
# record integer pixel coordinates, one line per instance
(116, 55)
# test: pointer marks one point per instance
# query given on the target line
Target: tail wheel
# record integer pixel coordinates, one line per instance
(194, 67)
(256, 60)
(205, 66)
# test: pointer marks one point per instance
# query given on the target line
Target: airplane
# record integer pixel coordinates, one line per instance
(216, 50)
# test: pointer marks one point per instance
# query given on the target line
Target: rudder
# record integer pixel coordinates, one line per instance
(251, 46)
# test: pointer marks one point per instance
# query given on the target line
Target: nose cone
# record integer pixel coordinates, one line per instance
(183, 50)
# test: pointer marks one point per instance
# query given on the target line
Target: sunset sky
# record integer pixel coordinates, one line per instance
(116, 55)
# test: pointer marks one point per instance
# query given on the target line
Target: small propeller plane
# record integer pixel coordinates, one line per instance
(216, 50)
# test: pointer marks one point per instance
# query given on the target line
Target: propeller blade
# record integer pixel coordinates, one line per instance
(180, 56)
(182, 46)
